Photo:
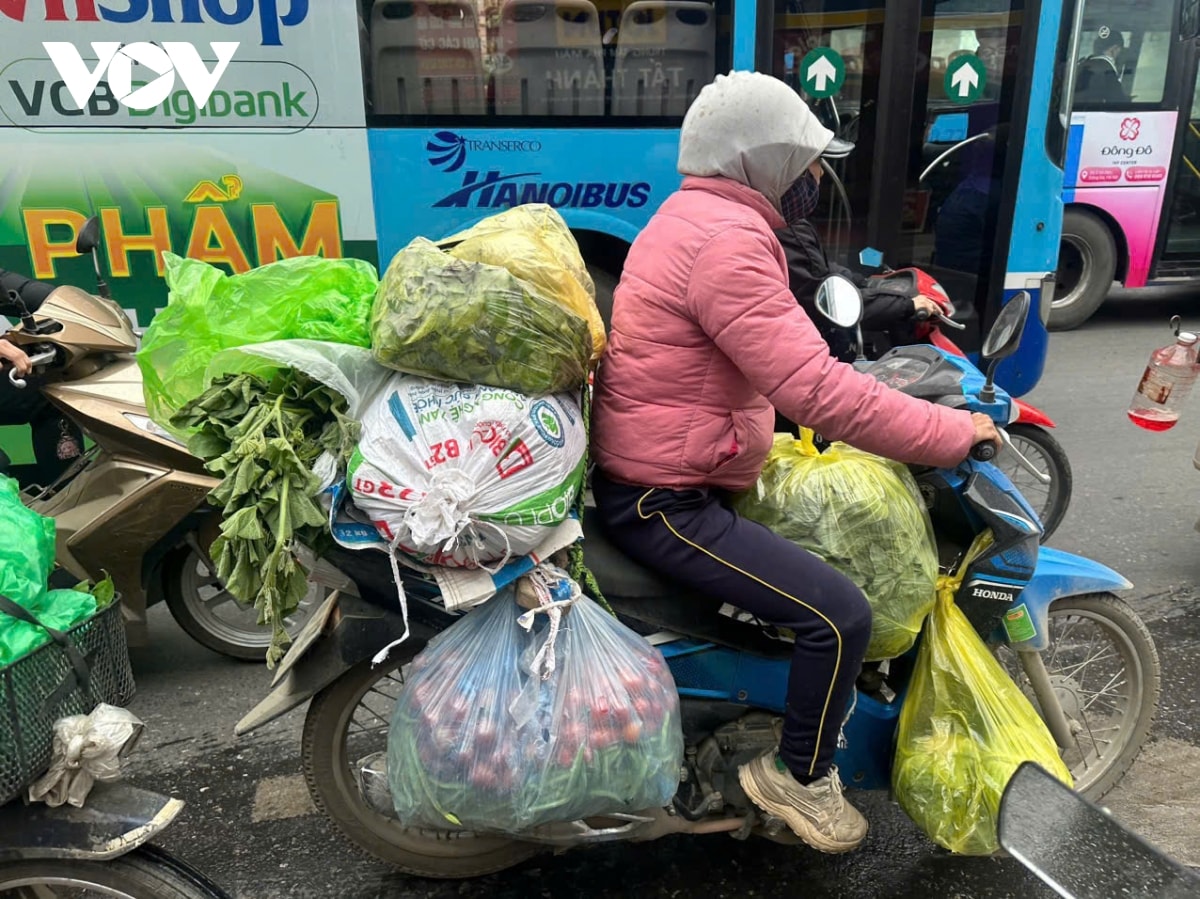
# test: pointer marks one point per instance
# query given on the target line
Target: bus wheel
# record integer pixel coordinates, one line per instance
(1087, 263)
(606, 283)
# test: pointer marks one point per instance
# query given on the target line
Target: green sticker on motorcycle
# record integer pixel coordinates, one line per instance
(1018, 624)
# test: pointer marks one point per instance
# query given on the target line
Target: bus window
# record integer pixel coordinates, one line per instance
(801, 28)
(560, 59)
(1125, 47)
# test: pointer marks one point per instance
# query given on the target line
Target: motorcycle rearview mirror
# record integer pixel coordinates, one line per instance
(870, 257)
(1004, 338)
(839, 301)
(89, 236)
(88, 241)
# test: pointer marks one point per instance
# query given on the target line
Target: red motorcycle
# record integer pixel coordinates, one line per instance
(1045, 477)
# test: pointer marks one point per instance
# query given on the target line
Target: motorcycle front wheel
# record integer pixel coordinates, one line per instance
(213, 617)
(1038, 445)
(145, 873)
(1104, 672)
(348, 721)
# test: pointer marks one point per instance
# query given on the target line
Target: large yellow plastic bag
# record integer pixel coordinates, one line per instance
(451, 318)
(307, 297)
(498, 730)
(964, 730)
(535, 244)
(863, 515)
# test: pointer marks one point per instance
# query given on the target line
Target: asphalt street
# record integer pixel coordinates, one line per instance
(250, 825)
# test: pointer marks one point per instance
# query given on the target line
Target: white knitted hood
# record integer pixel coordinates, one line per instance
(751, 128)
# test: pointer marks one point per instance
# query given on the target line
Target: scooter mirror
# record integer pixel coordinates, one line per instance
(870, 258)
(839, 301)
(89, 236)
(1005, 336)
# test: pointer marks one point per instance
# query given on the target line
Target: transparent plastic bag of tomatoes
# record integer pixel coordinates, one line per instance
(497, 732)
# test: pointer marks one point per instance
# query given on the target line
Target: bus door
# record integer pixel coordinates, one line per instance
(931, 93)
(1179, 237)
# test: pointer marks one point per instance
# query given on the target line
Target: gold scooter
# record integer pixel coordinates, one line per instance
(134, 503)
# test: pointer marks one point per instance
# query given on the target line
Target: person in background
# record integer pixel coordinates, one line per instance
(887, 314)
(706, 337)
(57, 442)
(1099, 77)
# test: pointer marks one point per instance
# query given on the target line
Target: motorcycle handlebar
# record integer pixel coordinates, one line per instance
(983, 451)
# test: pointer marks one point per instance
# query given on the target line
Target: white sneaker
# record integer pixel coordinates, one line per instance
(818, 813)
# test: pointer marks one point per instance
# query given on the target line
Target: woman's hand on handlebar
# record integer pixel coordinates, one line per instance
(14, 355)
(986, 431)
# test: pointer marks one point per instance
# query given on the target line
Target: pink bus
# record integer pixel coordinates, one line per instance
(1132, 173)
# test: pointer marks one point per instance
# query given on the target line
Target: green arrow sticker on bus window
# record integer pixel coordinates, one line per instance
(965, 79)
(822, 72)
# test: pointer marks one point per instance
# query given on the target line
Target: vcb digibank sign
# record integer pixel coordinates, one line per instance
(183, 12)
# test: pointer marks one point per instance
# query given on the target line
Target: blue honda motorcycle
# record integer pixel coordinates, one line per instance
(1083, 657)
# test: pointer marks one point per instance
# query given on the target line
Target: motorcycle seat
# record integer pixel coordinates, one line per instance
(659, 603)
(645, 600)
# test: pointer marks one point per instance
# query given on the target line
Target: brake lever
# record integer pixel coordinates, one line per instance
(1021, 460)
(42, 358)
(949, 322)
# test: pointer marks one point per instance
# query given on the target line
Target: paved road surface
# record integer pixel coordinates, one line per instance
(250, 824)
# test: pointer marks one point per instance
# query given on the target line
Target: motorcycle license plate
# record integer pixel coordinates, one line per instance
(307, 637)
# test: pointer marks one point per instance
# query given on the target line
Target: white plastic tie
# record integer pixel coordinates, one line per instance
(380, 657)
(541, 579)
(440, 516)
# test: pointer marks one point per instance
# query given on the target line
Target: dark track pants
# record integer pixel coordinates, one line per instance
(695, 537)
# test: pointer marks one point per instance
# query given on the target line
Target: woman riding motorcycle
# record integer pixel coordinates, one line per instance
(57, 441)
(706, 337)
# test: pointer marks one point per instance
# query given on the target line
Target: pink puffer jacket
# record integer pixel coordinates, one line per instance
(706, 338)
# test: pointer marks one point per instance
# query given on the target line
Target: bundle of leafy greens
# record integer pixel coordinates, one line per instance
(263, 437)
(443, 317)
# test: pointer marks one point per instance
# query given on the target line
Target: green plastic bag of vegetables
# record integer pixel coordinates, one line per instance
(306, 297)
(26, 547)
(459, 319)
(863, 515)
(964, 730)
(26, 557)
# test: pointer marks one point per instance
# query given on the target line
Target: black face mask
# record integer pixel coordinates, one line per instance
(800, 200)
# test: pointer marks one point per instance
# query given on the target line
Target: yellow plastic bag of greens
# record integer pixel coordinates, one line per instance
(863, 515)
(535, 244)
(503, 305)
(964, 730)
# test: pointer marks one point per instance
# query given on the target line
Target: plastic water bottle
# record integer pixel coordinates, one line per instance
(1166, 383)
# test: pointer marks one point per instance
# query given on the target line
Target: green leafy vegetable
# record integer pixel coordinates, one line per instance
(263, 437)
(443, 317)
(104, 592)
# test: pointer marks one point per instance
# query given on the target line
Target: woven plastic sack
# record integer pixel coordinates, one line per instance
(481, 740)
(863, 515)
(465, 475)
(964, 730)
(473, 314)
(307, 297)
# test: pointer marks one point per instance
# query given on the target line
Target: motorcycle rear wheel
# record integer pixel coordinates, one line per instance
(1106, 675)
(145, 873)
(347, 721)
